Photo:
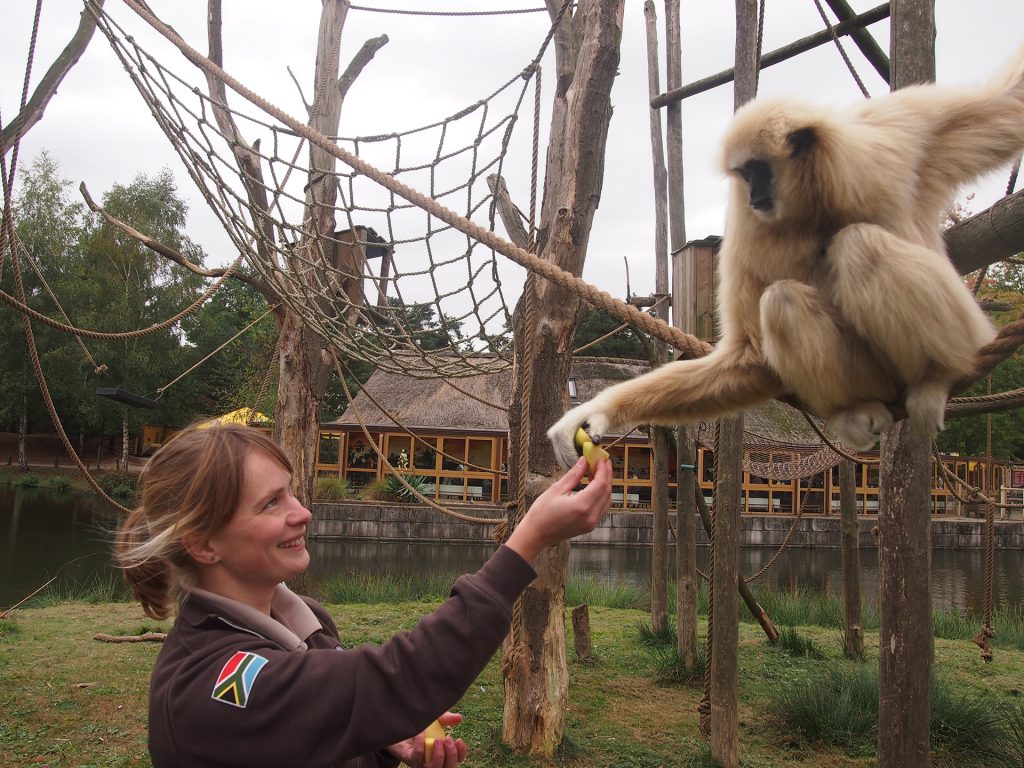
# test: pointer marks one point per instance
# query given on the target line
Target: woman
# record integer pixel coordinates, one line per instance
(252, 674)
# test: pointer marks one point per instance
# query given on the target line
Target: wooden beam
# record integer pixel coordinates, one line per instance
(863, 39)
(774, 57)
(993, 235)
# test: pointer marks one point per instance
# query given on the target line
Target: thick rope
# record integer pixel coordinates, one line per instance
(842, 50)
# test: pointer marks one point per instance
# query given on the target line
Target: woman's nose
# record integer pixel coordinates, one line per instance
(300, 515)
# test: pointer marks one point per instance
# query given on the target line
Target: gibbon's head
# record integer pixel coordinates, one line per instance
(779, 157)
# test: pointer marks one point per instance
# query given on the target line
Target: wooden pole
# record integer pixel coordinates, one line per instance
(853, 629)
(686, 448)
(724, 687)
(659, 437)
(906, 644)
(725, 576)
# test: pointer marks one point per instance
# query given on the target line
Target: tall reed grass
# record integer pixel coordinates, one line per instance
(839, 707)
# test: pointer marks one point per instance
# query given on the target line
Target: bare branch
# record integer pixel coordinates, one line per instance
(359, 61)
(245, 155)
(164, 250)
(511, 216)
(47, 87)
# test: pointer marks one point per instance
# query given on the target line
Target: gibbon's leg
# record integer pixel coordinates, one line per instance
(732, 377)
(828, 369)
(912, 307)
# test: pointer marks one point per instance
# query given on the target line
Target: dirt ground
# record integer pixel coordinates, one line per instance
(48, 451)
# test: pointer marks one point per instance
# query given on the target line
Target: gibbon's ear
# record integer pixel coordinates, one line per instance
(801, 140)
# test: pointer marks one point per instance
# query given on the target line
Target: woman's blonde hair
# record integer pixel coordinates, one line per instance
(191, 488)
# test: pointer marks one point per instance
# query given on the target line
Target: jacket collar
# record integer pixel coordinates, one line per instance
(290, 623)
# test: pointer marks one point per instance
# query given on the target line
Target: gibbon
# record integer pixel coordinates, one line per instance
(834, 282)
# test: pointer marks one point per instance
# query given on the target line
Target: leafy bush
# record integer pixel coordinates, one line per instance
(331, 489)
(27, 480)
(390, 488)
(117, 483)
(59, 483)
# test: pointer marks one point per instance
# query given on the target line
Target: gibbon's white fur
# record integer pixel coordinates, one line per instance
(835, 285)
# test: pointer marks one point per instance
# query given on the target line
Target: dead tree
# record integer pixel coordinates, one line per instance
(587, 55)
(905, 632)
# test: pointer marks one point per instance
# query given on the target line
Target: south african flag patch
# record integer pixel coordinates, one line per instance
(236, 678)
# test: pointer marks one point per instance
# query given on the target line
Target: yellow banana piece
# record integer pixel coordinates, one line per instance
(588, 450)
(433, 732)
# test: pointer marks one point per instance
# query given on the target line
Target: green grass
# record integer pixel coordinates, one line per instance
(796, 644)
(68, 700)
(386, 588)
(593, 591)
(96, 590)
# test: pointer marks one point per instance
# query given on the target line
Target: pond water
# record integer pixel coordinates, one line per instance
(43, 533)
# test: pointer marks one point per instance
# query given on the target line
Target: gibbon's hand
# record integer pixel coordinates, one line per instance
(562, 433)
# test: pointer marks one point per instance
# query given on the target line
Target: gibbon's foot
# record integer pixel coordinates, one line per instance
(862, 426)
(926, 407)
(562, 433)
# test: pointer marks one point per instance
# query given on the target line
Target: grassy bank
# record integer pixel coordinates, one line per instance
(68, 700)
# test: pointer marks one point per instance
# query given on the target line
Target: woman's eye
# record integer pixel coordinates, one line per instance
(272, 503)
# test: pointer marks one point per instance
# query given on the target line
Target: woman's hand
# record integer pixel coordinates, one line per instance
(559, 514)
(448, 752)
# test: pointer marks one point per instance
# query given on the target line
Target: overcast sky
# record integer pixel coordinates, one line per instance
(100, 131)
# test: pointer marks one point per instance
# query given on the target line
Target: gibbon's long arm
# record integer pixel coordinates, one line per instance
(729, 379)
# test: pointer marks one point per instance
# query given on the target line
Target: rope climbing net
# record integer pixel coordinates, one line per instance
(385, 254)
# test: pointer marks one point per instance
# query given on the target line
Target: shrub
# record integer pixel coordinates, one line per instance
(331, 489)
(59, 483)
(117, 483)
(390, 488)
(27, 480)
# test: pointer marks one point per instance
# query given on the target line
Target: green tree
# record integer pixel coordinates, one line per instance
(49, 228)
(627, 343)
(1004, 286)
(127, 287)
(231, 377)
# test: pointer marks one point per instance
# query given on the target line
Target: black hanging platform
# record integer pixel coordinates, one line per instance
(128, 398)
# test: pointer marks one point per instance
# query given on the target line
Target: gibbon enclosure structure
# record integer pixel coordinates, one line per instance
(284, 217)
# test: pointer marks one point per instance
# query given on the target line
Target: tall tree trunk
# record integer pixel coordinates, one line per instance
(906, 644)
(122, 462)
(587, 52)
(853, 630)
(304, 374)
(23, 435)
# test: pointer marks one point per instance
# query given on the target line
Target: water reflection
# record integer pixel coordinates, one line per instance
(43, 532)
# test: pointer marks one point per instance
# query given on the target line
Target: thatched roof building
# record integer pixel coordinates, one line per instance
(389, 401)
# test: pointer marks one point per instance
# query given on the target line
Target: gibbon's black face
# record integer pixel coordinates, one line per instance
(758, 175)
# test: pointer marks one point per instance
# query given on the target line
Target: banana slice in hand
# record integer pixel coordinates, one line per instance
(433, 732)
(588, 450)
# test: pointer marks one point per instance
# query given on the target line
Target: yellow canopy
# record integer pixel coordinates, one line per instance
(240, 416)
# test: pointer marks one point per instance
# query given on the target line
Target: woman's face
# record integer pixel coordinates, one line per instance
(264, 543)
